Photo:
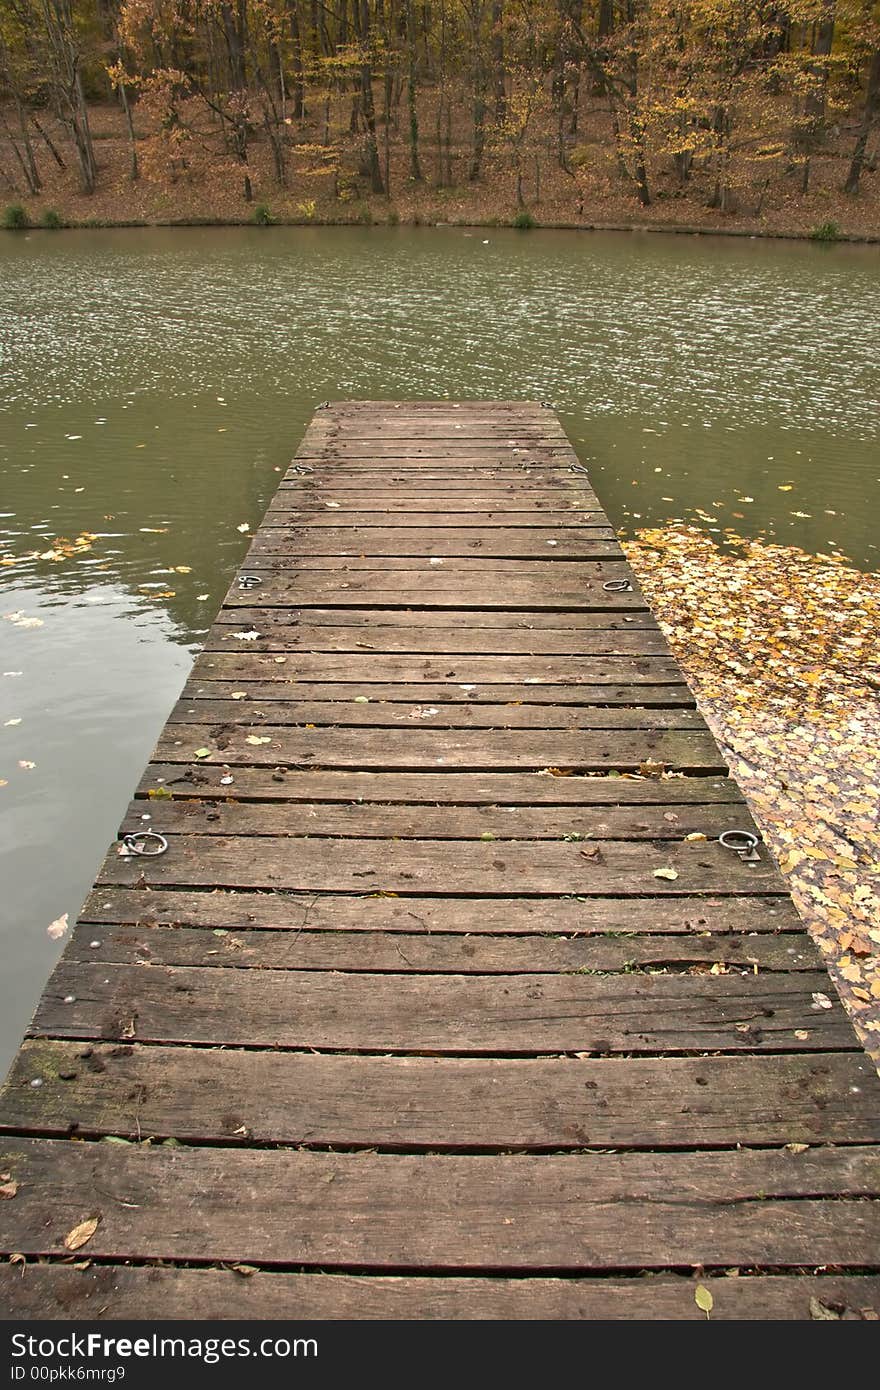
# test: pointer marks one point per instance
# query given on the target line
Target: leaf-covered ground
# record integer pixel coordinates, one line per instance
(781, 650)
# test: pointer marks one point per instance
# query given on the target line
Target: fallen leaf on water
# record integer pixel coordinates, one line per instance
(243, 527)
(779, 647)
(26, 765)
(703, 1299)
(82, 1233)
(10, 723)
(20, 619)
(182, 569)
(670, 874)
(57, 928)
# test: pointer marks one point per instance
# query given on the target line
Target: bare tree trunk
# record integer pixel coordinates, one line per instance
(64, 59)
(415, 168)
(20, 159)
(498, 75)
(368, 111)
(33, 172)
(48, 143)
(134, 169)
(298, 78)
(871, 108)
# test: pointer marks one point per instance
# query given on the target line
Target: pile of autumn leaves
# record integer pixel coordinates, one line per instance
(781, 650)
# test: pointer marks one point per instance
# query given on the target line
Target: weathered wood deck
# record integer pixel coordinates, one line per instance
(405, 1018)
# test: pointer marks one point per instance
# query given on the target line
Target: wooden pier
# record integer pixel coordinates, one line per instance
(444, 1000)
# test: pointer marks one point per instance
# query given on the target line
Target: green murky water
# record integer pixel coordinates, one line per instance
(152, 384)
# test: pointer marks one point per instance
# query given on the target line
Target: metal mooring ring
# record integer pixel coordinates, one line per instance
(742, 842)
(617, 586)
(249, 581)
(577, 468)
(738, 840)
(137, 841)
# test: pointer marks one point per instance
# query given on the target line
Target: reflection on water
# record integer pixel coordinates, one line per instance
(153, 383)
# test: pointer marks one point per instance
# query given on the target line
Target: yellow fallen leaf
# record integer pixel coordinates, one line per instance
(81, 1233)
(670, 874)
(202, 753)
(255, 739)
(703, 1299)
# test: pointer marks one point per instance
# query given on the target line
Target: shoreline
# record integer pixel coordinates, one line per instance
(495, 224)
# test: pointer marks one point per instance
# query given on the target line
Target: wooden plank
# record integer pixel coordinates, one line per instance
(381, 713)
(270, 681)
(282, 515)
(373, 821)
(684, 750)
(365, 670)
(399, 492)
(276, 636)
(411, 569)
(395, 453)
(413, 589)
(429, 789)
(400, 542)
(252, 1097)
(542, 867)
(56, 1292)
(402, 619)
(475, 1014)
(240, 910)
(507, 502)
(431, 953)
(517, 1212)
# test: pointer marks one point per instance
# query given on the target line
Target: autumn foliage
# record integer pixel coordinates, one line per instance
(710, 97)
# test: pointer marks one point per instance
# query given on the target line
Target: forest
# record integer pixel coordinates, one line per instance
(561, 110)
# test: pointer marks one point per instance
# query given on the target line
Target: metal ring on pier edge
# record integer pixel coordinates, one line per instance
(578, 468)
(249, 581)
(742, 841)
(617, 586)
(137, 841)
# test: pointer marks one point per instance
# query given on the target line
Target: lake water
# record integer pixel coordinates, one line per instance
(154, 383)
